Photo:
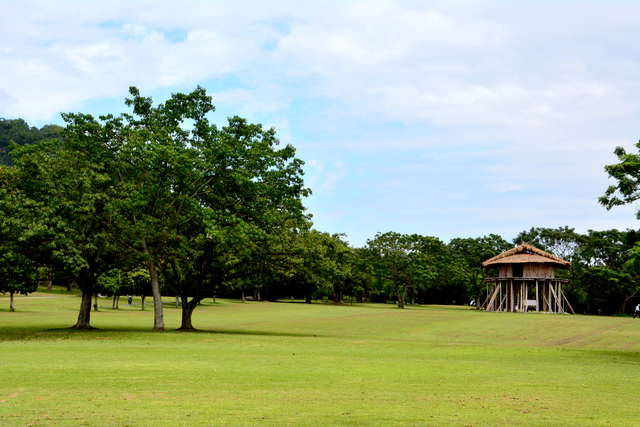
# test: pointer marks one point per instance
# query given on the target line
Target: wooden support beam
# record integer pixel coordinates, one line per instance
(488, 305)
(560, 305)
(503, 301)
(511, 295)
(553, 291)
(568, 303)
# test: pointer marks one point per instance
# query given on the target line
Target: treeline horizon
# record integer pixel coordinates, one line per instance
(137, 204)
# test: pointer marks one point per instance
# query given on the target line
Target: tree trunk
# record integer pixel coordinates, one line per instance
(158, 317)
(243, 299)
(307, 299)
(49, 280)
(623, 307)
(177, 301)
(402, 295)
(113, 303)
(11, 307)
(337, 297)
(142, 297)
(95, 302)
(187, 311)
(84, 316)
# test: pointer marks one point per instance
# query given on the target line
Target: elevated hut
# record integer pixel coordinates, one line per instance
(526, 281)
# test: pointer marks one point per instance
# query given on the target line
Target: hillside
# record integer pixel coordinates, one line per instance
(19, 131)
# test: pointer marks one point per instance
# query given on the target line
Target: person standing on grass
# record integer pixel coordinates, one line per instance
(636, 313)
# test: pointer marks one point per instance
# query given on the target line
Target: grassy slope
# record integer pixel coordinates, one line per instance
(295, 364)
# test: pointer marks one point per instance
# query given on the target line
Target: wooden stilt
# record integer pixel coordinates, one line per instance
(489, 305)
(511, 295)
(555, 306)
(567, 301)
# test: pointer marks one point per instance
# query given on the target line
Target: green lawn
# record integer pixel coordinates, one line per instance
(297, 364)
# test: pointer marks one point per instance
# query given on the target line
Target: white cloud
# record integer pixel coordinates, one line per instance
(545, 90)
(505, 187)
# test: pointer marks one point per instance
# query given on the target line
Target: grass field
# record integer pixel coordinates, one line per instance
(297, 364)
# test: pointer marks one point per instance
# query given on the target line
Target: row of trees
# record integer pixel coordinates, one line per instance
(159, 187)
(159, 201)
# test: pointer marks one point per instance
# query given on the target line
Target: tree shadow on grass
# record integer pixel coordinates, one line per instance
(24, 334)
(251, 332)
(629, 357)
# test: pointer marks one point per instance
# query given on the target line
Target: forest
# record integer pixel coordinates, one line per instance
(161, 202)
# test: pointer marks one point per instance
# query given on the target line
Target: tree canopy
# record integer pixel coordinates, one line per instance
(161, 201)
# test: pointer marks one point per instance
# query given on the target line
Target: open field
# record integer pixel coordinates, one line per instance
(297, 364)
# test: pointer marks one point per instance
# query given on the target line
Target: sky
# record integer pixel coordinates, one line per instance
(443, 118)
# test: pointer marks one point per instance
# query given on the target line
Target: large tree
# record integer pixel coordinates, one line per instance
(405, 262)
(562, 241)
(18, 272)
(69, 185)
(188, 184)
(473, 251)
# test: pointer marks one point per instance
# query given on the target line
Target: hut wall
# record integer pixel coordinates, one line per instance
(538, 270)
(504, 270)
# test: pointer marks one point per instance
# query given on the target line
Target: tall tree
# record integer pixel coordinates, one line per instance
(405, 262)
(562, 241)
(18, 273)
(473, 252)
(70, 181)
(188, 182)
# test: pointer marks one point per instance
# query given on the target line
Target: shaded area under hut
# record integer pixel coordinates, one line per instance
(526, 281)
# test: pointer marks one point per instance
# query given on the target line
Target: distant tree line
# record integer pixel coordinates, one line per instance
(18, 132)
(159, 201)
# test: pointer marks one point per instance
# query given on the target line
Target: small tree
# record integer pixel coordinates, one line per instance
(17, 275)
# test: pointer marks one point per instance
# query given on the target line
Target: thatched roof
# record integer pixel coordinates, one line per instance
(526, 253)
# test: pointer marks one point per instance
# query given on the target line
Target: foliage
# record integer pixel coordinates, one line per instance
(18, 132)
(68, 185)
(626, 173)
(562, 242)
(210, 210)
(191, 188)
(18, 271)
(472, 252)
(407, 263)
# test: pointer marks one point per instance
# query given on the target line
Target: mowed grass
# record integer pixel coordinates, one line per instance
(320, 364)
